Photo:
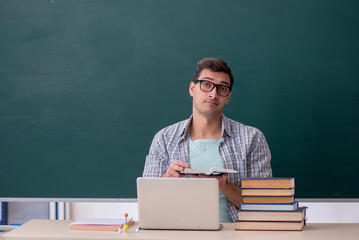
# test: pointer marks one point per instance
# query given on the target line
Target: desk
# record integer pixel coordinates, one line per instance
(53, 229)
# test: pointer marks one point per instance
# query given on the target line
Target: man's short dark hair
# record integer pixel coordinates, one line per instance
(215, 65)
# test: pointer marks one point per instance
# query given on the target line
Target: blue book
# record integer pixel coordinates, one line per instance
(3, 213)
(269, 206)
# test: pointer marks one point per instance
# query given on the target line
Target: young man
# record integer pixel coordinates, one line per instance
(209, 139)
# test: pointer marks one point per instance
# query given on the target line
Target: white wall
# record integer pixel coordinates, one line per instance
(81, 210)
(332, 212)
(21, 212)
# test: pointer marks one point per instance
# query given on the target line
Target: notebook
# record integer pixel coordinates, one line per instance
(178, 203)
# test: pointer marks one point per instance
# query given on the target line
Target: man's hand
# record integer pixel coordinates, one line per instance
(174, 168)
(229, 190)
(222, 179)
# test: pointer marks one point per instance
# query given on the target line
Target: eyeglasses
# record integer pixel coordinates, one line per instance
(207, 86)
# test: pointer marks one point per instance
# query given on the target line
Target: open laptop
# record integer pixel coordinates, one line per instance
(178, 203)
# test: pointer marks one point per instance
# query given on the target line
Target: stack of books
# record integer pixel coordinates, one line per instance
(269, 204)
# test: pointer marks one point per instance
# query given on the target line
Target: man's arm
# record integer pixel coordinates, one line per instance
(259, 157)
(157, 159)
(158, 163)
(229, 190)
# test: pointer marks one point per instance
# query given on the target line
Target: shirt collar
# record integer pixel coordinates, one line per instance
(185, 130)
(226, 127)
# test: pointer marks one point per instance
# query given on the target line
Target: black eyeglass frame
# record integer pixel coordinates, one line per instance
(214, 86)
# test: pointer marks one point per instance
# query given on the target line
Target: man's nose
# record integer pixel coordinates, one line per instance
(213, 93)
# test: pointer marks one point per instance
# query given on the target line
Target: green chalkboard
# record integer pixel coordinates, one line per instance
(85, 85)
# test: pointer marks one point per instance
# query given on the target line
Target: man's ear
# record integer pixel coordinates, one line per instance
(191, 88)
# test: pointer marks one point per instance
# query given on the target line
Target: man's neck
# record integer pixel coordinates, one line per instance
(204, 127)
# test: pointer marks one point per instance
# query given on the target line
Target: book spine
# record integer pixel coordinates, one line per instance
(3, 213)
(265, 199)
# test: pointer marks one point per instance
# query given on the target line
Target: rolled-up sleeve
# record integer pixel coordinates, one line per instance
(157, 159)
(259, 157)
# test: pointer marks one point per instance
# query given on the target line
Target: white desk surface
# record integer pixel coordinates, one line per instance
(55, 229)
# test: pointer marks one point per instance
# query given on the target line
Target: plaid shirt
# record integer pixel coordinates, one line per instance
(241, 147)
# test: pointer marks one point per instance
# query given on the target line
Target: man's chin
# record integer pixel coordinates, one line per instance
(212, 113)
